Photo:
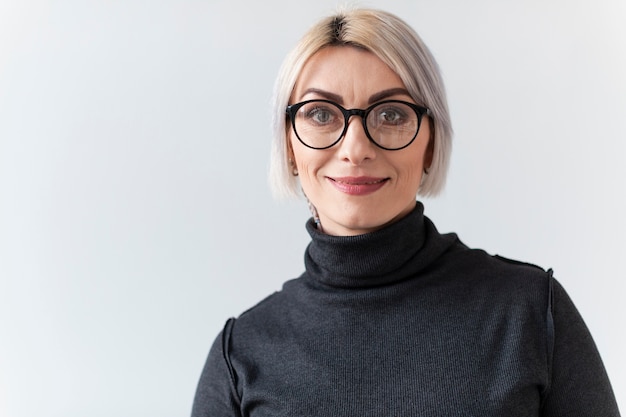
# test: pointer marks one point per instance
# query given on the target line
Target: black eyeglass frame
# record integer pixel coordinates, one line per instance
(420, 111)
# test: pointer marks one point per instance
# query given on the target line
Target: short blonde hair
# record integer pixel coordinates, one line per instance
(395, 43)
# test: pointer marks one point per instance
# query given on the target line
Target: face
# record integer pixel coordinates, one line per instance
(356, 186)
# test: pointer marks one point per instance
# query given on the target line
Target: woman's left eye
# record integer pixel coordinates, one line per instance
(390, 116)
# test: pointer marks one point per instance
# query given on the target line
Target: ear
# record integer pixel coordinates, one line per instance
(290, 155)
(291, 158)
(430, 148)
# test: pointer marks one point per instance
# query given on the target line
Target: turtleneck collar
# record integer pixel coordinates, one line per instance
(388, 255)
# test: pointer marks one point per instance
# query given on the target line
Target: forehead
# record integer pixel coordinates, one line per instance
(349, 72)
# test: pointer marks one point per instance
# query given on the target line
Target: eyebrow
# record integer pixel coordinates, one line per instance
(381, 95)
(388, 93)
(325, 94)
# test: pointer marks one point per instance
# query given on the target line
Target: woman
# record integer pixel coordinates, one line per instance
(390, 317)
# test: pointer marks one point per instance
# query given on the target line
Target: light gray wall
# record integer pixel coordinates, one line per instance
(134, 212)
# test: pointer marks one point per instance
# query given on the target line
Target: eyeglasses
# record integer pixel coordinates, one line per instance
(390, 125)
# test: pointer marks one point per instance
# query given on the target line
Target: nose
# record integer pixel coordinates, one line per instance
(355, 147)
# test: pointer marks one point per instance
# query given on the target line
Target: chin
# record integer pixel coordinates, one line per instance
(359, 216)
(357, 224)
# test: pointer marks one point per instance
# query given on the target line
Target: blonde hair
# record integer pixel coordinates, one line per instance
(396, 44)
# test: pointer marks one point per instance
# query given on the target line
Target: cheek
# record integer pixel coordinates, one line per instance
(308, 161)
(304, 160)
(413, 180)
(307, 166)
(410, 172)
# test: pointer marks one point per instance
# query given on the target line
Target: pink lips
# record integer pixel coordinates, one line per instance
(357, 185)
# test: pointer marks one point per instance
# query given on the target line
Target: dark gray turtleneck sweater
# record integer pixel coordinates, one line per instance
(407, 322)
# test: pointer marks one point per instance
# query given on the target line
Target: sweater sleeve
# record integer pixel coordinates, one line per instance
(216, 394)
(579, 383)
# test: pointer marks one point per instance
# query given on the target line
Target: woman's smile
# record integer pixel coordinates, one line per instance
(358, 185)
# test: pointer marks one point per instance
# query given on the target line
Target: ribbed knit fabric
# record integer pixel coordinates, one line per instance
(407, 322)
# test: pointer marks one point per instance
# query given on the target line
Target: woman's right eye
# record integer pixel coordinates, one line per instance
(319, 115)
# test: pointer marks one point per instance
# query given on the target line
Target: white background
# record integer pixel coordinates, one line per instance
(135, 216)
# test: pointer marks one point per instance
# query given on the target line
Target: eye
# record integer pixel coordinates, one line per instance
(390, 115)
(319, 114)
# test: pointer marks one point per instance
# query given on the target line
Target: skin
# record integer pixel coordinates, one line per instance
(338, 181)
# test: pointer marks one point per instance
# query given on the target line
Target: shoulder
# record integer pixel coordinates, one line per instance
(503, 278)
(492, 265)
(270, 311)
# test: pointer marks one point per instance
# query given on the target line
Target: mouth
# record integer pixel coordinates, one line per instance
(358, 185)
